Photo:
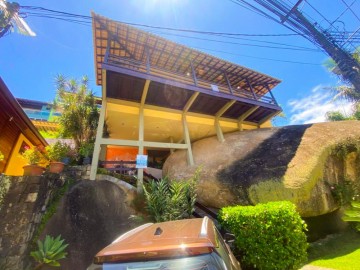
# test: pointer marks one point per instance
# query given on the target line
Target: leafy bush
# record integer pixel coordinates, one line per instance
(32, 155)
(57, 151)
(353, 214)
(49, 252)
(268, 236)
(344, 192)
(170, 200)
(86, 149)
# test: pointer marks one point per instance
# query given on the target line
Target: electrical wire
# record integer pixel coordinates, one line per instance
(349, 7)
(160, 27)
(82, 19)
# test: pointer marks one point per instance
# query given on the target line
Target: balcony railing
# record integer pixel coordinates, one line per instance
(189, 78)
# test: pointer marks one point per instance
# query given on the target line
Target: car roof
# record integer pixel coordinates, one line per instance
(162, 240)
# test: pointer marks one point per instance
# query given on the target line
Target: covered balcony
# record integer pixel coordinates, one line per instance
(160, 94)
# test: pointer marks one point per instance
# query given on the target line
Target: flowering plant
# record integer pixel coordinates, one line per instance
(57, 151)
(32, 155)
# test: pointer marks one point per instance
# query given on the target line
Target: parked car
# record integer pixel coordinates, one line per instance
(182, 244)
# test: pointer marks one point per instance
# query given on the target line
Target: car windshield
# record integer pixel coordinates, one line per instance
(203, 262)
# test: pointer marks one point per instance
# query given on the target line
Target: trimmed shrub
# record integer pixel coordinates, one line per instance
(268, 236)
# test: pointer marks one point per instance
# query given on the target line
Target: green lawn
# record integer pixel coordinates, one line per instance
(341, 251)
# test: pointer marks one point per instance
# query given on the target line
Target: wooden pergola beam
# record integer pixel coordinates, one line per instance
(218, 129)
(262, 121)
(245, 115)
(140, 175)
(190, 102)
(99, 131)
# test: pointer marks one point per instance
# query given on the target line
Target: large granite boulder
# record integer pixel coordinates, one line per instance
(89, 217)
(295, 163)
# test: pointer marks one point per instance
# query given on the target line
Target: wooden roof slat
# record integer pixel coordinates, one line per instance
(166, 54)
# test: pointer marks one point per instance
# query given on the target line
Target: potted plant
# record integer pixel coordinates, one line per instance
(56, 153)
(86, 150)
(33, 156)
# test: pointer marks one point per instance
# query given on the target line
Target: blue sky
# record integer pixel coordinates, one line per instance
(28, 65)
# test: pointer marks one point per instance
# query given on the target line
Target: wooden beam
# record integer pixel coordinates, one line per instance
(144, 93)
(262, 121)
(190, 158)
(247, 113)
(188, 87)
(228, 83)
(219, 132)
(252, 89)
(140, 171)
(119, 142)
(190, 102)
(171, 141)
(218, 129)
(225, 108)
(193, 73)
(99, 133)
(166, 145)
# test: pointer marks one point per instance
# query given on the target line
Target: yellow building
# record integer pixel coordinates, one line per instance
(16, 133)
(157, 94)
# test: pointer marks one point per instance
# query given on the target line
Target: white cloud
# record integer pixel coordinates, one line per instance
(313, 108)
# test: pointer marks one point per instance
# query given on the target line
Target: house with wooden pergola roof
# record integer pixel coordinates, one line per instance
(157, 94)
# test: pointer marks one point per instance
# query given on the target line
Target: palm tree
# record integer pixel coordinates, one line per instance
(9, 19)
(345, 91)
(79, 112)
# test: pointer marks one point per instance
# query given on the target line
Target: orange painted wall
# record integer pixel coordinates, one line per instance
(122, 153)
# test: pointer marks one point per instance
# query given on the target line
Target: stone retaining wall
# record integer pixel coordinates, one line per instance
(21, 212)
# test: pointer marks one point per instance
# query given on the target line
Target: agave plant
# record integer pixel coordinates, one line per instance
(353, 214)
(50, 251)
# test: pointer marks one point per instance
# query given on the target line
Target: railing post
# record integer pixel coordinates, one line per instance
(147, 60)
(271, 94)
(106, 57)
(228, 83)
(252, 89)
(193, 73)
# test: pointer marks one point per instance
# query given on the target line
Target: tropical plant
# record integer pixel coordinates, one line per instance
(79, 112)
(353, 214)
(10, 19)
(170, 200)
(57, 151)
(49, 252)
(32, 155)
(86, 149)
(344, 91)
(1, 156)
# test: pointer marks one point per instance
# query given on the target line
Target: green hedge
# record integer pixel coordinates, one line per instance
(268, 236)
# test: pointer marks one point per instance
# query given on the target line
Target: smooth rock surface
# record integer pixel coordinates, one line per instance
(289, 163)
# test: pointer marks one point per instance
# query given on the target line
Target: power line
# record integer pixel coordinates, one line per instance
(349, 7)
(262, 58)
(342, 13)
(283, 45)
(86, 20)
(160, 27)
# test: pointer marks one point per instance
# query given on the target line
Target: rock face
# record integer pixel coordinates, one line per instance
(90, 216)
(294, 163)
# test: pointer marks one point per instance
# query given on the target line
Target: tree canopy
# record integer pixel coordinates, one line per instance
(79, 111)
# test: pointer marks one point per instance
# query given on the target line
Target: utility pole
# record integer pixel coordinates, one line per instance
(348, 66)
